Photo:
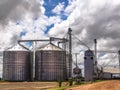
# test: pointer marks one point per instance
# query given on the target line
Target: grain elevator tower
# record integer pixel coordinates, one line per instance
(89, 65)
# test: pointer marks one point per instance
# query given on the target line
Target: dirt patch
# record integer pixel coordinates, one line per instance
(104, 85)
(26, 85)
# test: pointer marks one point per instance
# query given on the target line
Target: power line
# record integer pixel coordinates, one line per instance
(104, 65)
(82, 43)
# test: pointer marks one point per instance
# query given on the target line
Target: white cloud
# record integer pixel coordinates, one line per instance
(54, 19)
(100, 22)
(109, 59)
(8, 39)
(90, 19)
(23, 14)
(59, 8)
(59, 29)
(15, 10)
(72, 5)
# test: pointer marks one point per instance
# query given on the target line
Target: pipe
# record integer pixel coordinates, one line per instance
(70, 51)
(95, 41)
(119, 60)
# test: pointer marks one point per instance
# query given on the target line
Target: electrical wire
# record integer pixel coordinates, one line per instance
(105, 65)
(82, 43)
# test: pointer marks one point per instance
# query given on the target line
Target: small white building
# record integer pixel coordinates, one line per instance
(109, 72)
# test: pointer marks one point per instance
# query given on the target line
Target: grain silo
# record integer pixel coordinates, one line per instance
(89, 65)
(50, 63)
(16, 64)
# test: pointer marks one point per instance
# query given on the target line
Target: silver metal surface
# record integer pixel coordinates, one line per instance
(50, 65)
(89, 65)
(16, 66)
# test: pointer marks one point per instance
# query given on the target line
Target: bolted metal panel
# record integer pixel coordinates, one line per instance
(16, 66)
(50, 65)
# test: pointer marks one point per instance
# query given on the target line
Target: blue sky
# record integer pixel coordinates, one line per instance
(51, 4)
(38, 19)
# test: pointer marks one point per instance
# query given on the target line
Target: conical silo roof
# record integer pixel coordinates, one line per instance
(50, 46)
(17, 47)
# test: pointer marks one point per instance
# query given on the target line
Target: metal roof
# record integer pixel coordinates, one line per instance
(51, 46)
(111, 70)
(17, 47)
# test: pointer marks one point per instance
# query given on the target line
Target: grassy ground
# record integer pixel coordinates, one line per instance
(57, 88)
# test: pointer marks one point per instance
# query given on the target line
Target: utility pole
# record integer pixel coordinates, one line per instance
(70, 51)
(34, 51)
(119, 60)
(76, 58)
(95, 41)
(95, 61)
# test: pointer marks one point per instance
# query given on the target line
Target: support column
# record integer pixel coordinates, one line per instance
(70, 51)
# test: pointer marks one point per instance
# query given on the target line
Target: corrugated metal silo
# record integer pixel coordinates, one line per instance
(50, 63)
(16, 64)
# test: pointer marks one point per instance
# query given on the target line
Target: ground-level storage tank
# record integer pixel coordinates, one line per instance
(50, 63)
(16, 64)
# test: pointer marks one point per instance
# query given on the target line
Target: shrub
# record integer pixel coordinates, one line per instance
(59, 83)
(70, 80)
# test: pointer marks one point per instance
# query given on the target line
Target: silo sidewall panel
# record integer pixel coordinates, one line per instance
(50, 65)
(16, 65)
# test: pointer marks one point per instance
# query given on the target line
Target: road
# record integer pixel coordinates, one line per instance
(104, 85)
(26, 85)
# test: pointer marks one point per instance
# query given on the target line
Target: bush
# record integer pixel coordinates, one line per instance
(78, 81)
(59, 83)
(70, 80)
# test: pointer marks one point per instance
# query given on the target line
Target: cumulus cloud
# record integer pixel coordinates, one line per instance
(18, 16)
(59, 8)
(26, 16)
(109, 59)
(90, 19)
(13, 10)
(8, 39)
